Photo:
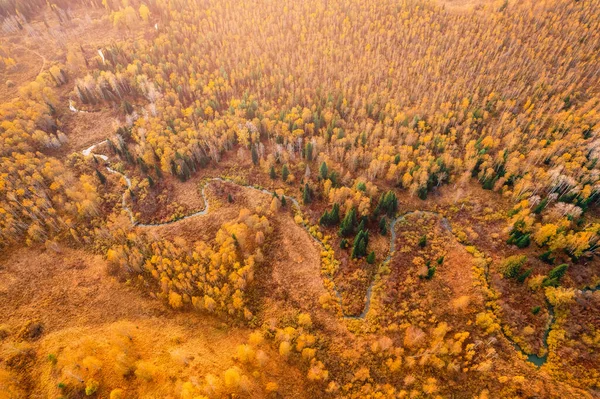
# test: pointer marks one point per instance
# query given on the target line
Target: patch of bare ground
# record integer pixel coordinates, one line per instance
(480, 217)
(85, 129)
(63, 305)
(296, 265)
(296, 274)
(28, 65)
(204, 227)
(414, 293)
(482, 222)
(573, 355)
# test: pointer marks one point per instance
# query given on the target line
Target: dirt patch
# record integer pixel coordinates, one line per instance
(62, 304)
(28, 65)
(204, 227)
(428, 272)
(85, 129)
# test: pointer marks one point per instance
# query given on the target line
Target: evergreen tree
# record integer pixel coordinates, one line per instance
(347, 225)
(332, 217)
(112, 146)
(254, 155)
(361, 241)
(423, 241)
(283, 201)
(333, 176)
(383, 226)
(361, 225)
(272, 173)
(323, 171)
(101, 177)
(371, 257)
(324, 220)
(430, 272)
(158, 171)
(547, 257)
(284, 173)
(540, 207)
(523, 276)
(388, 204)
(229, 198)
(142, 165)
(306, 197)
(308, 151)
(555, 275)
(518, 238)
(127, 108)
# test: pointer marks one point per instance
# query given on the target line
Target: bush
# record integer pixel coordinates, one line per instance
(52, 359)
(523, 276)
(430, 272)
(553, 279)
(511, 266)
(371, 258)
(91, 387)
(547, 257)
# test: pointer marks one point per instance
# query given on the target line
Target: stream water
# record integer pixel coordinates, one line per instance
(533, 358)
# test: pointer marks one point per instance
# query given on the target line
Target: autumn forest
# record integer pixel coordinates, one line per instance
(205, 199)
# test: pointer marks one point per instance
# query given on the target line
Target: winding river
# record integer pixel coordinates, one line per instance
(536, 360)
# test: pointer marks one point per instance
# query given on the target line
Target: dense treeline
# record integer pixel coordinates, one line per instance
(471, 100)
(39, 196)
(213, 278)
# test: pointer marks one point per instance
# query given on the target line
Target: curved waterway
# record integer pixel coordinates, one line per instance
(533, 358)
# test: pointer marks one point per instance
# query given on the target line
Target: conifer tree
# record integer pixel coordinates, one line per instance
(371, 257)
(323, 171)
(254, 155)
(347, 225)
(101, 177)
(361, 241)
(306, 197)
(383, 226)
(308, 151)
(284, 173)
